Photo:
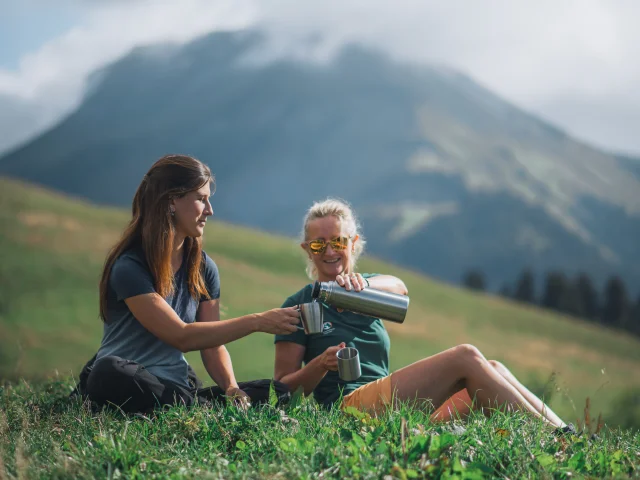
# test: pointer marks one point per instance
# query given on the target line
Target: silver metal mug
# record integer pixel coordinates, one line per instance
(348, 364)
(312, 317)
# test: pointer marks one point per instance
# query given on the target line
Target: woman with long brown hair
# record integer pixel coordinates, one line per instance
(159, 298)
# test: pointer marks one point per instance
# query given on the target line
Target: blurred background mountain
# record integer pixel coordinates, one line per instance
(446, 176)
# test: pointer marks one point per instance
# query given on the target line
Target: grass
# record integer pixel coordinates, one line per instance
(53, 247)
(45, 435)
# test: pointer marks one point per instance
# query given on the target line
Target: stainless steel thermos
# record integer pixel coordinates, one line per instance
(371, 302)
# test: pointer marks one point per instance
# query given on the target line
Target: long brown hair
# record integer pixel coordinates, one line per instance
(152, 229)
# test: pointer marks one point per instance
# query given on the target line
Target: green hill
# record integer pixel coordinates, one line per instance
(52, 249)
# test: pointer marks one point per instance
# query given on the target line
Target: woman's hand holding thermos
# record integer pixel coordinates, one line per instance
(353, 281)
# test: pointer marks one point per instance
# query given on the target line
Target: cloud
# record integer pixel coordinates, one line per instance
(50, 81)
(571, 62)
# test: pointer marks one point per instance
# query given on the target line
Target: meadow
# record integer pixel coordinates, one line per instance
(44, 435)
(52, 250)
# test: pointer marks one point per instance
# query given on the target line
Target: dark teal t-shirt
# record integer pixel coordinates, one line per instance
(366, 334)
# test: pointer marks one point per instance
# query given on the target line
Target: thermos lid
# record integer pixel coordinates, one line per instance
(315, 293)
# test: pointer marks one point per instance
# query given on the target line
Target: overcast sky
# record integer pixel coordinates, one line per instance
(573, 62)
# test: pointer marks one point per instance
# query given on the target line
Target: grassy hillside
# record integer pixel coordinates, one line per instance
(55, 438)
(52, 248)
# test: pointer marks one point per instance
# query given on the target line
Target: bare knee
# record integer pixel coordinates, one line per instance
(467, 352)
(469, 361)
(495, 364)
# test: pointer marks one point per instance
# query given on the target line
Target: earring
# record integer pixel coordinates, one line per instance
(173, 212)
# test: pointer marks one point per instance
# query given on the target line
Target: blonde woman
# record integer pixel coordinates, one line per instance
(333, 243)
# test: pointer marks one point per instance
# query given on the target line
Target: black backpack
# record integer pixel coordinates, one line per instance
(261, 392)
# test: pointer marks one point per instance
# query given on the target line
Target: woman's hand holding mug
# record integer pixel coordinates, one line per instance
(329, 359)
(279, 321)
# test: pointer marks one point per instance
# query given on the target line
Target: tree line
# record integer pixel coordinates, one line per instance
(611, 306)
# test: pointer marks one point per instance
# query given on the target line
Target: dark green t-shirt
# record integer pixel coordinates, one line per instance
(366, 334)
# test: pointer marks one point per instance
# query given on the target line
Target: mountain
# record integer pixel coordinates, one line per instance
(19, 120)
(630, 164)
(445, 175)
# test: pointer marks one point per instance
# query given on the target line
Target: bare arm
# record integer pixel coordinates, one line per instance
(387, 283)
(216, 360)
(157, 316)
(289, 370)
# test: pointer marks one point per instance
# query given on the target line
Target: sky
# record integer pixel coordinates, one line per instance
(571, 62)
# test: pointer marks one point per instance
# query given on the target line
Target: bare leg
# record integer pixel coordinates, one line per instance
(440, 376)
(457, 406)
(531, 398)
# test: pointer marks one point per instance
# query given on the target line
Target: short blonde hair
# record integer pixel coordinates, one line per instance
(342, 210)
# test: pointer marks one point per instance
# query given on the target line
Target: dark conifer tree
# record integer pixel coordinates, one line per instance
(615, 309)
(505, 291)
(474, 280)
(554, 290)
(588, 296)
(571, 301)
(525, 287)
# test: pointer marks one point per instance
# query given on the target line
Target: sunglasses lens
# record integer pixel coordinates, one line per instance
(339, 243)
(317, 247)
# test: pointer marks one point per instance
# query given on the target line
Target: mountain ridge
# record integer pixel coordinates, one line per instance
(417, 150)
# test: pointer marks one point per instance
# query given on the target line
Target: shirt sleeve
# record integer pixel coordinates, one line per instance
(298, 336)
(211, 278)
(129, 278)
(367, 276)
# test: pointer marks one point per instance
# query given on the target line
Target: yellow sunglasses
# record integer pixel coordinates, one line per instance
(319, 246)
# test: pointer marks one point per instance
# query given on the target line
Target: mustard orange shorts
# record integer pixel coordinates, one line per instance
(374, 397)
